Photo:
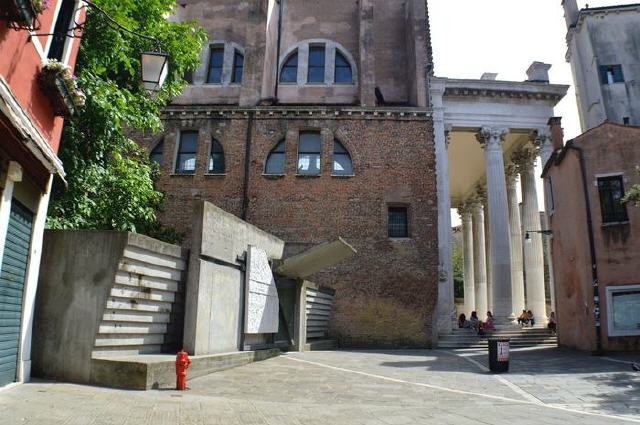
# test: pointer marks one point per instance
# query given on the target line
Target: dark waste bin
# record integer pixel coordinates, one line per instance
(499, 355)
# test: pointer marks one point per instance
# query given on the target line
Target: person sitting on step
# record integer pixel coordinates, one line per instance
(522, 318)
(474, 322)
(552, 322)
(489, 322)
(530, 320)
(463, 323)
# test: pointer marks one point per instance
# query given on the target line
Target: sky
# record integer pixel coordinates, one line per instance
(471, 37)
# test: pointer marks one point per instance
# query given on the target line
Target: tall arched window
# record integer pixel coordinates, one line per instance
(216, 64)
(344, 74)
(216, 158)
(155, 157)
(316, 64)
(309, 153)
(238, 67)
(187, 151)
(289, 73)
(276, 159)
(342, 165)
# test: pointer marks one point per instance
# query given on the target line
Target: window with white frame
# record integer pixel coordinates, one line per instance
(623, 310)
(61, 29)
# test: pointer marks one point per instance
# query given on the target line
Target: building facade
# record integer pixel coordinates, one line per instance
(30, 130)
(605, 59)
(312, 121)
(596, 238)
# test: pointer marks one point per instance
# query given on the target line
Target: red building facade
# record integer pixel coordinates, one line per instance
(36, 94)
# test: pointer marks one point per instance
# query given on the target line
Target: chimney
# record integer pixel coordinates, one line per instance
(538, 72)
(571, 12)
(557, 133)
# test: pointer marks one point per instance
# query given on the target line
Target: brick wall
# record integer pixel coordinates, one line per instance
(386, 295)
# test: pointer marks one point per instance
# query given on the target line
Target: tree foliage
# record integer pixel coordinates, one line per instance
(458, 272)
(109, 178)
(633, 195)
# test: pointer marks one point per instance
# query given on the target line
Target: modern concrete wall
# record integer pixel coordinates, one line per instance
(110, 294)
(215, 288)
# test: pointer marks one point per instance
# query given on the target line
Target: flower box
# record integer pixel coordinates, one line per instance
(22, 14)
(60, 86)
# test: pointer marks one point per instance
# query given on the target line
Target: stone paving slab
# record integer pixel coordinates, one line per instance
(359, 388)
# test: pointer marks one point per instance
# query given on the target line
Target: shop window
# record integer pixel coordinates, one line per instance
(187, 150)
(342, 165)
(276, 159)
(398, 222)
(623, 310)
(309, 153)
(611, 190)
(216, 158)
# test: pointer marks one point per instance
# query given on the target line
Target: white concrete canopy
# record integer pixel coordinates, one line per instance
(316, 259)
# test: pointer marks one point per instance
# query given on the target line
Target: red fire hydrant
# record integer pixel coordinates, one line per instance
(182, 364)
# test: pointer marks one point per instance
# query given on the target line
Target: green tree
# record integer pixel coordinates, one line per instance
(110, 182)
(458, 273)
(633, 195)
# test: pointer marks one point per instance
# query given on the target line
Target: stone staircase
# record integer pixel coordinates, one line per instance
(520, 337)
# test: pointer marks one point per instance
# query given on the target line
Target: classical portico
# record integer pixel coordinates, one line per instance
(495, 130)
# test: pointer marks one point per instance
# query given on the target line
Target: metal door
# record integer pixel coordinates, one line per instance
(13, 273)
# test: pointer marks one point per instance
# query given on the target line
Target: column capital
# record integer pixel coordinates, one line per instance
(511, 172)
(492, 137)
(525, 156)
(541, 137)
(448, 129)
(465, 209)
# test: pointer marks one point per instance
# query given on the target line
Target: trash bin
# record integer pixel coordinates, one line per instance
(499, 355)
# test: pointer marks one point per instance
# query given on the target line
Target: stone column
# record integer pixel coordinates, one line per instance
(543, 140)
(491, 140)
(446, 310)
(479, 258)
(487, 249)
(515, 230)
(525, 158)
(467, 247)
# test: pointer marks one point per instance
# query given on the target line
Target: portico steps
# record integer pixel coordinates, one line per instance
(520, 337)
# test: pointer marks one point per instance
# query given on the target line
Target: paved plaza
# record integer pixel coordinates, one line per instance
(545, 386)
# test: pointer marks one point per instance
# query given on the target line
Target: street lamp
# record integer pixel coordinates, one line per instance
(155, 68)
(527, 236)
(154, 64)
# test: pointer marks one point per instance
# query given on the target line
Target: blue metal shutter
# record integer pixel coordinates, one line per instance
(13, 273)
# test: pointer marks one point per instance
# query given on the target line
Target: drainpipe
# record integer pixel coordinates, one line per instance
(280, 7)
(247, 166)
(592, 248)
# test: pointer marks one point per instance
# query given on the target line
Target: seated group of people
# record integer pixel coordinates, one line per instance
(475, 323)
(525, 319)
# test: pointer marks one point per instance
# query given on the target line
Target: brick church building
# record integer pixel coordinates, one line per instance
(311, 120)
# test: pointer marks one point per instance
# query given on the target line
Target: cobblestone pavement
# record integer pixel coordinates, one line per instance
(549, 386)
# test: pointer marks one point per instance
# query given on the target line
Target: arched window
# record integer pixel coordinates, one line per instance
(342, 165)
(276, 159)
(216, 158)
(155, 157)
(289, 73)
(344, 74)
(187, 150)
(309, 153)
(238, 67)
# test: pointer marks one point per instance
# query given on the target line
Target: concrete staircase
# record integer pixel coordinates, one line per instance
(525, 337)
(145, 302)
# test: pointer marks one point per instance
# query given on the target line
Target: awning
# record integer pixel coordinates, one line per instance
(316, 259)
